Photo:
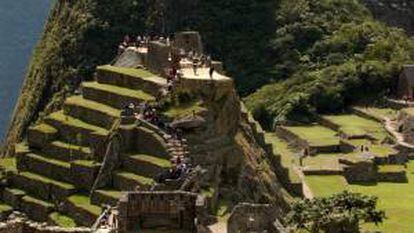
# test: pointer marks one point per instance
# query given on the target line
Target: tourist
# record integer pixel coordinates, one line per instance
(211, 72)
(195, 65)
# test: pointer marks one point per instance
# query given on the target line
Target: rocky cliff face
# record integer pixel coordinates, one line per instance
(398, 13)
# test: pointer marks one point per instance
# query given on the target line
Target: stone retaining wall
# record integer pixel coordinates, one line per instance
(24, 226)
(394, 177)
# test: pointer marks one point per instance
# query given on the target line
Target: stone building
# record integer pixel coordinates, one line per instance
(173, 211)
(405, 88)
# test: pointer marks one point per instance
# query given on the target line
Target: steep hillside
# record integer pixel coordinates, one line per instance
(79, 35)
(328, 54)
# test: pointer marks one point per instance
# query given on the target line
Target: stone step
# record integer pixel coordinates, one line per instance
(75, 131)
(106, 196)
(67, 152)
(36, 209)
(114, 96)
(145, 165)
(127, 181)
(40, 186)
(35, 163)
(39, 135)
(12, 197)
(91, 112)
(79, 208)
(137, 79)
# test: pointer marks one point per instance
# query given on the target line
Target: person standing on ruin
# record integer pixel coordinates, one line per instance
(195, 64)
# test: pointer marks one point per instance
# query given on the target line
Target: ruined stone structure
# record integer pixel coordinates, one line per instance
(78, 159)
(171, 211)
(247, 217)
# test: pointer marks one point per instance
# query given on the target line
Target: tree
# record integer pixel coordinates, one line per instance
(339, 213)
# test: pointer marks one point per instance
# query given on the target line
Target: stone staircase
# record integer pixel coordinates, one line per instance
(58, 165)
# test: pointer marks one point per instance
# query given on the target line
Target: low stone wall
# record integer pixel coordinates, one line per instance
(395, 177)
(39, 139)
(246, 217)
(83, 177)
(359, 172)
(25, 226)
(321, 172)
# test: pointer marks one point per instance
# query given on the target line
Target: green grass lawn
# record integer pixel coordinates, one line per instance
(136, 94)
(316, 135)
(352, 124)
(8, 163)
(397, 199)
(83, 201)
(62, 220)
(323, 161)
(380, 112)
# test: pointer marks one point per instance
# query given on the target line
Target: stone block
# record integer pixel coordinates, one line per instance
(83, 176)
(35, 187)
(47, 167)
(12, 197)
(150, 143)
(36, 209)
(39, 136)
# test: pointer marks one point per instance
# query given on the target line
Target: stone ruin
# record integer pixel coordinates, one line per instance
(172, 211)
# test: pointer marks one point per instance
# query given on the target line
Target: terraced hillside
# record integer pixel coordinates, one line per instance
(56, 168)
(327, 172)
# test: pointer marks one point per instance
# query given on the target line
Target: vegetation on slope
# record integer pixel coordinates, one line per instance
(328, 54)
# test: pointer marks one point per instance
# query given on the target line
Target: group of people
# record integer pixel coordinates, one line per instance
(139, 41)
(143, 111)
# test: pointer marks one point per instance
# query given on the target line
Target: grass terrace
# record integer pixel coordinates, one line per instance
(323, 161)
(83, 201)
(68, 120)
(352, 124)
(81, 102)
(137, 94)
(8, 163)
(184, 109)
(397, 199)
(139, 73)
(315, 135)
(379, 112)
(62, 220)
(164, 163)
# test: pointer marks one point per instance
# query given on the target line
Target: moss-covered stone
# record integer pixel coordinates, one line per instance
(84, 173)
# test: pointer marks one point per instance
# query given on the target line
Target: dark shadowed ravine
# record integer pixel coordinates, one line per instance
(21, 23)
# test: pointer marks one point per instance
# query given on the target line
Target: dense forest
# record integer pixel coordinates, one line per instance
(288, 57)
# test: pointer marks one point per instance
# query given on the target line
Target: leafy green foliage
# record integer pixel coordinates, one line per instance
(339, 213)
(327, 55)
